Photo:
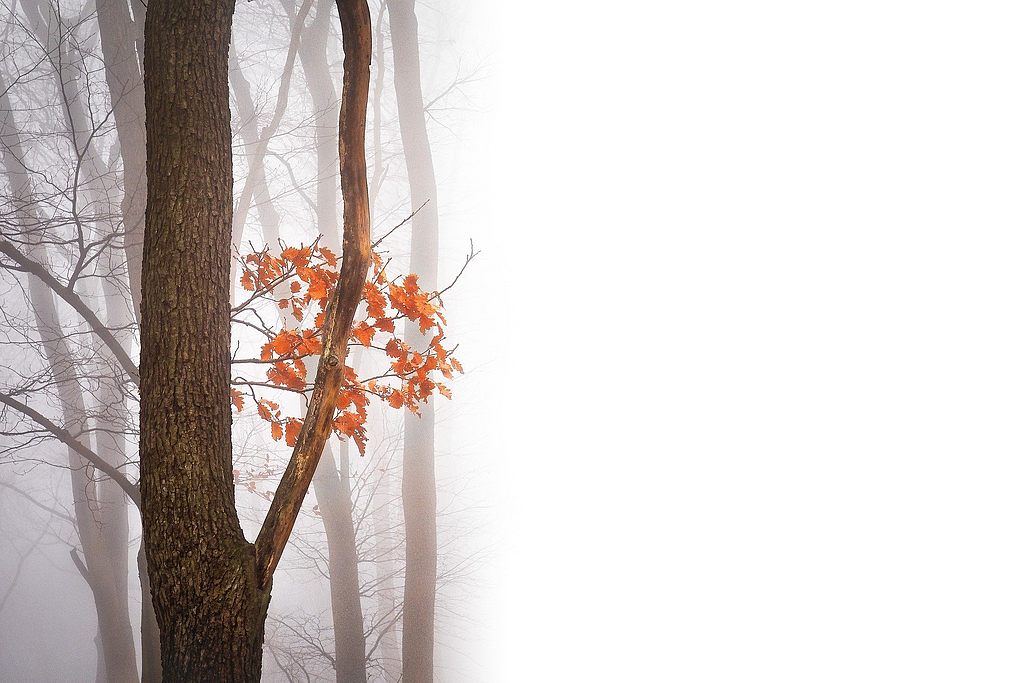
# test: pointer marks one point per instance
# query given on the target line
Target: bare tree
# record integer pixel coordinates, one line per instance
(419, 487)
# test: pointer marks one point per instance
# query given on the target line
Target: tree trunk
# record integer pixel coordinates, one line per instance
(206, 597)
(334, 496)
(119, 36)
(101, 543)
(152, 670)
(248, 127)
(210, 587)
(419, 494)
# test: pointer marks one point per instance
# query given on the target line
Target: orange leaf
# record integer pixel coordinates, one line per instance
(237, 399)
(275, 431)
(394, 348)
(363, 333)
(291, 432)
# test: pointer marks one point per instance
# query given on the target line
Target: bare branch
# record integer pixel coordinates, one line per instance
(67, 438)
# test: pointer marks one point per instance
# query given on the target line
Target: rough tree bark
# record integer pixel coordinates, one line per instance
(211, 588)
(419, 494)
(208, 602)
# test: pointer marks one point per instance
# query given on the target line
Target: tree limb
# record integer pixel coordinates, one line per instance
(318, 425)
(67, 438)
(69, 295)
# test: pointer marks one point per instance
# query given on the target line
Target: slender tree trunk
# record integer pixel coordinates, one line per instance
(103, 539)
(257, 144)
(270, 219)
(208, 601)
(419, 495)
(120, 36)
(334, 496)
(152, 668)
(122, 41)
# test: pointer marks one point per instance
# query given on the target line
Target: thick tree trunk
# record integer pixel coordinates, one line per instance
(419, 495)
(208, 602)
(210, 587)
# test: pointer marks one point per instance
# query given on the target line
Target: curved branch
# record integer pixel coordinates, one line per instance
(69, 295)
(67, 438)
(356, 38)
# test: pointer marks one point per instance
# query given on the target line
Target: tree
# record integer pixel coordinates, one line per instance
(419, 487)
(211, 587)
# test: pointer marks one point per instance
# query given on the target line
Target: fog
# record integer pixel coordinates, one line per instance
(55, 67)
(740, 337)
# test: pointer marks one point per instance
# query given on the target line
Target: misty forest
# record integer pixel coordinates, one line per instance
(235, 350)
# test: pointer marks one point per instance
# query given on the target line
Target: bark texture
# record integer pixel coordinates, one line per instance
(208, 601)
(419, 489)
(210, 587)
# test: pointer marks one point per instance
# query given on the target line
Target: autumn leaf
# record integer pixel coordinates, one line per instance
(291, 432)
(395, 348)
(309, 274)
(283, 343)
(310, 344)
(363, 333)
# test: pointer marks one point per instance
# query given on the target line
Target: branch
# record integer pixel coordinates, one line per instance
(69, 295)
(317, 427)
(66, 437)
(404, 221)
(249, 187)
(35, 502)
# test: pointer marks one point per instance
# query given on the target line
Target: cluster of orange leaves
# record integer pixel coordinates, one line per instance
(308, 275)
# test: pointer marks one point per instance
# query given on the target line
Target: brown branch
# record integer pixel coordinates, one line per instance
(317, 428)
(67, 438)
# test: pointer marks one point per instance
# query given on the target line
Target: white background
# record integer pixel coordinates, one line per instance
(760, 338)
